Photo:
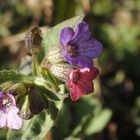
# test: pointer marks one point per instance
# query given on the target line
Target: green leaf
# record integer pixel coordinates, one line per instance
(46, 88)
(12, 87)
(48, 93)
(98, 122)
(51, 38)
(91, 124)
(37, 127)
(63, 126)
(10, 75)
(87, 106)
(91, 117)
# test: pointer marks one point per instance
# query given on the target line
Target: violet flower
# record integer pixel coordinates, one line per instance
(9, 112)
(79, 48)
(80, 82)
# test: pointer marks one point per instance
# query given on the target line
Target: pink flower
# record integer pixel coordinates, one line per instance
(80, 82)
(9, 112)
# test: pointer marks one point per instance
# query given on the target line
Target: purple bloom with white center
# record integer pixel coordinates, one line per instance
(79, 47)
(9, 112)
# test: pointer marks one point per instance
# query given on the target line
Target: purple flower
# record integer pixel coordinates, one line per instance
(9, 112)
(79, 48)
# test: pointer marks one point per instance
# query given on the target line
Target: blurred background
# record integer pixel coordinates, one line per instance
(113, 111)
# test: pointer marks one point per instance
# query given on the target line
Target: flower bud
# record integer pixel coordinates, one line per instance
(33, 40)
(37, 100)
(55, 63)
(32, 103)
(24, 107)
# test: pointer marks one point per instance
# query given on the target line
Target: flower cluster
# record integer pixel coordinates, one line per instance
(71, 62)
(79, 48)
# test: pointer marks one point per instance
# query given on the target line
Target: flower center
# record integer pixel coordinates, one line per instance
(71, 50)
(75, 76)
(5, 102)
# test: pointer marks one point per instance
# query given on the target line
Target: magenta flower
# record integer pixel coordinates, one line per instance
(9, 112)
(80, 82)
(79, 48)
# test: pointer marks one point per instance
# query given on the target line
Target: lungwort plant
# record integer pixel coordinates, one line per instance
(61, 58)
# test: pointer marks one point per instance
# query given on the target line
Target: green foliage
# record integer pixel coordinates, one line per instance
(88, 117)
(14, 76)
(93, 117)
(102, 7)
(98, 122)
(123, 39)
(52, 95)
(37, 127)
(62, 8)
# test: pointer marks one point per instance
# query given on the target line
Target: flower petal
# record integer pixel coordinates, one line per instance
(81, 88)
(13, 119)
(1, 93)
(91, 48)
(75, 92)
(86, 52)
(12, 97)
(66, 35)
(82, 33)
(3, 118)
(89, 74)
(85, 86)
(81, 61)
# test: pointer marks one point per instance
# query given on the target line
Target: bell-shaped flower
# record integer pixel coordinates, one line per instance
(9, 112)
(81, 82)
(79, 47)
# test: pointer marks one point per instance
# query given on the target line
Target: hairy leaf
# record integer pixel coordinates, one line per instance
(10, 75)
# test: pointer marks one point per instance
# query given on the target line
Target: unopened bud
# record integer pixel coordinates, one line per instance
(55, 63)
(33, 40)
(24, 107)
(32, 103)
(38, 101)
